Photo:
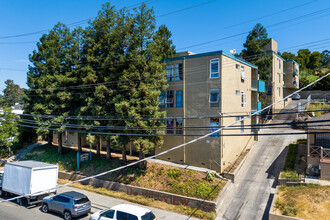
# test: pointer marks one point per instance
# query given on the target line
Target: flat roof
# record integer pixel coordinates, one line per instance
(32, 164)
(219, 52)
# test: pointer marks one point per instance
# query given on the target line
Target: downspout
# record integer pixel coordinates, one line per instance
(184, 109)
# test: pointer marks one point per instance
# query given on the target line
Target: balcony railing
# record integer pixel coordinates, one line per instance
(254, 84)
(319, 152)
(255, 106)
(261, 86)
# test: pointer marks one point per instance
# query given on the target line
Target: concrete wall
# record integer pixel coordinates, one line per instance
(315, 161)
(325, 170)
(316, 93)
(148, 193)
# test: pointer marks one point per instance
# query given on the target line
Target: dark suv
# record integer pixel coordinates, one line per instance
(70, 204)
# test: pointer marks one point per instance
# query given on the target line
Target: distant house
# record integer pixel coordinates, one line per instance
(318, 145)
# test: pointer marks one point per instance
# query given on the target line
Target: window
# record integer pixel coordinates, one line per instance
(169, 99)
(237, 66)
(179, 125)
(242, 125)
(148, 216)
(322, 140)
(108, 214)
(237, 92)
(214, 125)
(170, 74)
(170, 126)
(279, 63)
(214, 68)
(81, 201)
(242, 74)
(243, 99)
(161, 100)
(179, 99)
(125, 216)
(214, 98)
(178, 72)
(279, 91)
(279, 77)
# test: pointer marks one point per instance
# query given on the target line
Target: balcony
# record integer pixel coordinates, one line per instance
(258, 85)
(261, 86)
(255, 106)
(254, 85)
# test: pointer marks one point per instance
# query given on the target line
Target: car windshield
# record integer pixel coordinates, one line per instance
(81, 201)
(148, 216)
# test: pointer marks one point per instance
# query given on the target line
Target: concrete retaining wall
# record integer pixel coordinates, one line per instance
(148, 193)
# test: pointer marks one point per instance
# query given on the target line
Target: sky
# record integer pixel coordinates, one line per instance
(196, 25)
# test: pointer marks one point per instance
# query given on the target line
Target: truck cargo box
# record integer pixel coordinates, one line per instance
(26, 177)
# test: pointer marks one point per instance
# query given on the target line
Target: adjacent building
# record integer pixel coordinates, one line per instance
(318, 145)
(207, 91)
(284, 78)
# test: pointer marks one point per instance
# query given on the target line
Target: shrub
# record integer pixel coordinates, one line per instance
(174, 173)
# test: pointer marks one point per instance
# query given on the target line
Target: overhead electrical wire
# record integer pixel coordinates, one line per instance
(176, 147)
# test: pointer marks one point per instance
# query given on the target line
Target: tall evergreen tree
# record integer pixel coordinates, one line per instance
(12, 93)
(139, 98)
(53, 68)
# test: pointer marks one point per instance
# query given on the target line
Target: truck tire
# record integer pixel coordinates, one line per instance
(19, 202)
(1, 192)
(44, 208)
(67, 215)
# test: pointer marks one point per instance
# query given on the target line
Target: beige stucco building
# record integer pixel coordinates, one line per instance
(207, 91)
(284, 77)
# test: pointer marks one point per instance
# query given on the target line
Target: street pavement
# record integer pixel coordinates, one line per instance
(12, 211)
(251, 195)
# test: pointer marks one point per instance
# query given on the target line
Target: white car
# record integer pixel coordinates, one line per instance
(124, 212)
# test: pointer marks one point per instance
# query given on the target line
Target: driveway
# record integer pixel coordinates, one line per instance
(252, 193)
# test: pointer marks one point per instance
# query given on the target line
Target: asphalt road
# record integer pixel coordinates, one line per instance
(12, 211)
(251, 195)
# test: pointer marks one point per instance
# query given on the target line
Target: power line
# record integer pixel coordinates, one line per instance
(178, 146)
(269, 15)
(86, 20)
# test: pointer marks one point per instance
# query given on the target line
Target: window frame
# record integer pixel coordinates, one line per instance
(177, 94)
(214, 75)
(243, 99)
(178, 72)
(170, 75)
(171, 103)
(214, 125)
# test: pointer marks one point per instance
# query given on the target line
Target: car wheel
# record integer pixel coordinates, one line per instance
(44, 208)
(67, 215)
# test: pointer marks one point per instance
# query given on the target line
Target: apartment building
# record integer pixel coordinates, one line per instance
(207, 91)
(284, 77)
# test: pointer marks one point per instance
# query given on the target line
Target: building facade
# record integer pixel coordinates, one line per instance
(207, 91)
(284, 78)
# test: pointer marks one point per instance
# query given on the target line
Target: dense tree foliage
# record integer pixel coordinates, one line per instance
(9, 131)
(11, 94)
(312, 66)
(115, 62)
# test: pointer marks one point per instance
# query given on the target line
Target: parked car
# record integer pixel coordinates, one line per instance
(70, 204)
(296, 96)
(124, 212)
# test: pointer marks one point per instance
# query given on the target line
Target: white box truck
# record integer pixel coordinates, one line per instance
(29, 177)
